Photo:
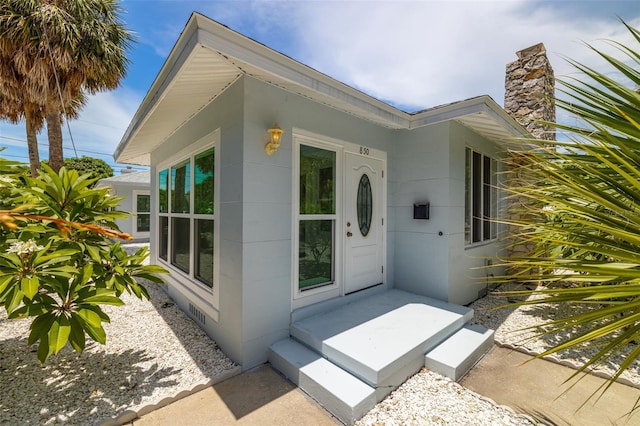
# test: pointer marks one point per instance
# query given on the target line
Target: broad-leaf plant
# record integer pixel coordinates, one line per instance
(59, 263)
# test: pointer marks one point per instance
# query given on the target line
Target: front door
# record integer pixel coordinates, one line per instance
(363, 222)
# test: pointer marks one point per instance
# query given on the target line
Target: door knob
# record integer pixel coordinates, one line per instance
(349, 234)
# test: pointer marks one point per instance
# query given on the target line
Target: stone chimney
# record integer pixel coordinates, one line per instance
(529, 91)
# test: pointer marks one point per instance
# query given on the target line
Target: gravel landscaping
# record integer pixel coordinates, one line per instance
(155, 353)
(509, 325)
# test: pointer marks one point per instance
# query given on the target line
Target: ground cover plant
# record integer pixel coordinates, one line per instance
(58, 261)
(581, 216)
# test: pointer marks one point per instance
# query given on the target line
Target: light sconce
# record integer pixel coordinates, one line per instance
(275, 133)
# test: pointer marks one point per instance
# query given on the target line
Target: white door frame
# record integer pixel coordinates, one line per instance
(307, 297)
(363, 267)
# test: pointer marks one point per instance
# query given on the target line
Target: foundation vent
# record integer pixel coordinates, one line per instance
(197, 314)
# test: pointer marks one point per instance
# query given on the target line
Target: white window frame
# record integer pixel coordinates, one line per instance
(303, 297)
(134, 219)
(494, 196)
(187, 283)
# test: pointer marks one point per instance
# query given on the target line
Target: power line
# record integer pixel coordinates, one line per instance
(46, 144)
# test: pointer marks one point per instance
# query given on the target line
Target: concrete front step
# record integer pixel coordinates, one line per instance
(382, 339)
(455, 356)
(339, 392)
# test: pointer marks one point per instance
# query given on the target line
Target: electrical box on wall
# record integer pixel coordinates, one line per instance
(421, 210)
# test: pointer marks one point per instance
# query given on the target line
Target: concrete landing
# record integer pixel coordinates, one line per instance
(378, 336)
(350, 355)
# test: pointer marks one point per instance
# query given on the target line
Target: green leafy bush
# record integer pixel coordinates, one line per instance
(58, 261)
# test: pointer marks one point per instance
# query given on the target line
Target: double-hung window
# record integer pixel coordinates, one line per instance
(481, 197)
(186, 216)
(316, 217)
(142, 209)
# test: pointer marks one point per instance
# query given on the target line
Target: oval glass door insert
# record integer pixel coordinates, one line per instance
(364, 205)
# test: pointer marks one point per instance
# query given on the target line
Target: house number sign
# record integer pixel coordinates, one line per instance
(364, 150)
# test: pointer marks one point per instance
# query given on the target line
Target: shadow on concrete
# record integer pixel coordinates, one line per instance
(252, 390)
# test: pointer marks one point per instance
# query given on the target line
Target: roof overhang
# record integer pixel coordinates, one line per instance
(209, 57)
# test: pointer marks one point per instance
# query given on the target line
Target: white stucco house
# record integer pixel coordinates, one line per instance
(135, 187)
(358, 194)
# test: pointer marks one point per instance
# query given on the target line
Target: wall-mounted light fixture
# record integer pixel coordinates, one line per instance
(275, 133)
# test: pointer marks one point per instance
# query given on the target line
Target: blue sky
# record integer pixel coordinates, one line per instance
(412, 54)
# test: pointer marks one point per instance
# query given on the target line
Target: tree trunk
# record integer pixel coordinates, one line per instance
(32, 142)
(54, 132)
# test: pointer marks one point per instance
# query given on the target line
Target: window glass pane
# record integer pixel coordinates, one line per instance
(467, 196)
(476, 179)
(180, 234)
(163, 243)
(204, 251)
(364, 205)
(317, 180)
(163, 200)
(494, 197)
(180, 182)
(315, 253)
(143, 222)
(143, 203)
(203, 181)
(486, 198)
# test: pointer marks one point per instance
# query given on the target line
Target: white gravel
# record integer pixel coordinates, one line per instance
(428, 398)
(153, 351)
(510, 324)
(431, 399)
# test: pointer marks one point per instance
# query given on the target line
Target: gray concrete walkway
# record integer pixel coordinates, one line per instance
(257, 397)
(536, 388)
(264, 397)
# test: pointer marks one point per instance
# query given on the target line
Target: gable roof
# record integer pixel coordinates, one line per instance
(209, 57)
(140, 178)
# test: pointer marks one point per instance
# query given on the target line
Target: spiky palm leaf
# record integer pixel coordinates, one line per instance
(583, 215)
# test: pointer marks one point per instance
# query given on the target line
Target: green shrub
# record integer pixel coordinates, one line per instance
(58, 262)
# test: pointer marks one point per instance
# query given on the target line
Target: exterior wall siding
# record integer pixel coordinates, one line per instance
(466, 278)
(419, 171)
(223, 322)
(267, 274)
(255, 209)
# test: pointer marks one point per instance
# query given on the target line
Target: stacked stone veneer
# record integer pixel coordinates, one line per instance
(529, 98)
(529, 91)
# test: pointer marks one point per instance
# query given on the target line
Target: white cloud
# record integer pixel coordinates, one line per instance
(96, 132)
(422, 54)
(415, 54)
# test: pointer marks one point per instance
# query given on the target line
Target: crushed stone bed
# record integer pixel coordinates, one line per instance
(153, 351)
(510, 324)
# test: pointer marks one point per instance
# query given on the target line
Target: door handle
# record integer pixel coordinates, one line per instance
(349, 234)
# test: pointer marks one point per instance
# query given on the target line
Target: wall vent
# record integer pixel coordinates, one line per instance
(197, 314)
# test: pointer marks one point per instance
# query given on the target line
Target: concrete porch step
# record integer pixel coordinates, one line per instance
(456, 355)
(339, 392)
(382, 339)
(350, 355)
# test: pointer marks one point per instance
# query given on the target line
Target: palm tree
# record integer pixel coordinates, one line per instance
(59, 50)
(15, 108)
(584, 215)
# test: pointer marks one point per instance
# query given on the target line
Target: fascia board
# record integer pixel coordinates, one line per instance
(457, 110)
(165, 78)
(244, 50)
